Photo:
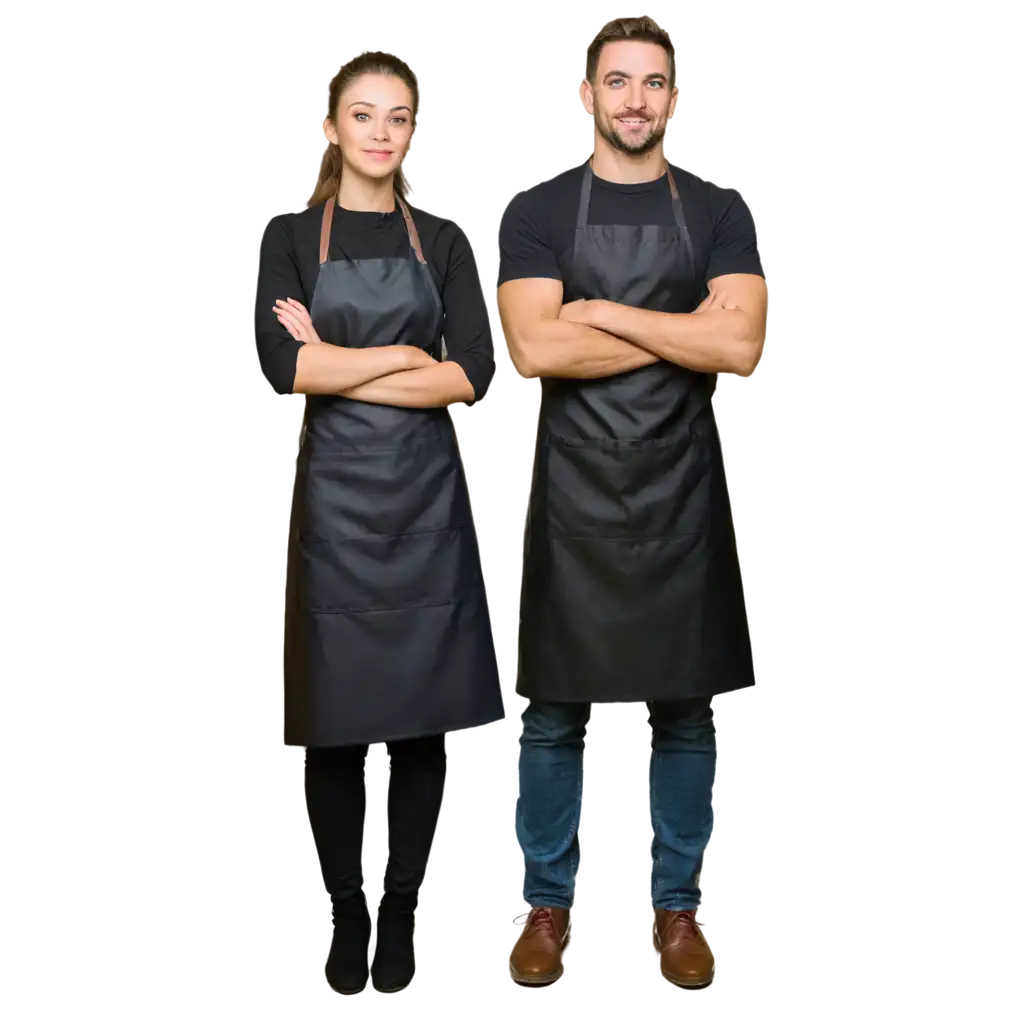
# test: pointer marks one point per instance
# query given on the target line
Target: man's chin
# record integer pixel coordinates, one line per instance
(631, 147)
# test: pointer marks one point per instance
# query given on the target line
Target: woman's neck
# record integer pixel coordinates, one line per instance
(369, 194)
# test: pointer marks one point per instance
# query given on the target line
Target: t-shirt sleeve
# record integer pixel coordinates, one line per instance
(524, 243)
(466, 328)
(278, 279)
(734, 241)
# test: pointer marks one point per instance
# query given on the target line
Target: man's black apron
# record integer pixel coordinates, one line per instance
(387, 633)
(631, 584)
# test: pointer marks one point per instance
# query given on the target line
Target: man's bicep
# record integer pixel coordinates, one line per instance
(734, 243)
(524, 305)
(740, 291)
(529, 298)
(524, 246)
(747, 293)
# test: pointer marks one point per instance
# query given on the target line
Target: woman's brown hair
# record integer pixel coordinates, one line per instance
(370, 63)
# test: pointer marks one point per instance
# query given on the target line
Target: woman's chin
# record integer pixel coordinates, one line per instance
(376, 170)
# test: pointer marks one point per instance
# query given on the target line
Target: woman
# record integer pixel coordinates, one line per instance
(387, 633)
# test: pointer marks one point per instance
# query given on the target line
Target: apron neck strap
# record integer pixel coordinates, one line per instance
(410, 227)
(325, 229)
(588, 181)
(584, 208)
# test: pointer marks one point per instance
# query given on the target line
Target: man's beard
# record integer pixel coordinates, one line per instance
(657, 133)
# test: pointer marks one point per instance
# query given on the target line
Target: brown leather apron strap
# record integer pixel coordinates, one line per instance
(414, 235)
(325, 229)
(410, 227)
(414, 238)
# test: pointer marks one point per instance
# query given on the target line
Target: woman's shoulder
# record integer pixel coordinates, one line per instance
(293, 228)
(439, 234)
(431, 222)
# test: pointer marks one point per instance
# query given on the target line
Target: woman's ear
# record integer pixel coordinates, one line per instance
(329, 134)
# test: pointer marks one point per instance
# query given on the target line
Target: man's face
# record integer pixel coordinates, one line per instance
(630, 96)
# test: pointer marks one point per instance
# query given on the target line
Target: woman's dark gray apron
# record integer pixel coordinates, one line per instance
(631, 584)
(387, 633)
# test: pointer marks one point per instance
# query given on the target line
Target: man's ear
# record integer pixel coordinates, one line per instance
(587, 95)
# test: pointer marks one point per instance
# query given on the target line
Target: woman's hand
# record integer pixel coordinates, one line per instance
(295, 318)
(297, 322)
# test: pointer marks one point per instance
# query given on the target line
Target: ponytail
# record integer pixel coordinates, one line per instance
(329, 179)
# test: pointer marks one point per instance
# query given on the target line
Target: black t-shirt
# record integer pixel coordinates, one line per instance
(290, 262)
(539, 225)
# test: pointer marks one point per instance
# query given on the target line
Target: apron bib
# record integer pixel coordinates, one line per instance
(387, 632)
(631, 584)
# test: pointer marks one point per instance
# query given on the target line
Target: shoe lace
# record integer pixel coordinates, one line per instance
(685, 921)
(541, 920)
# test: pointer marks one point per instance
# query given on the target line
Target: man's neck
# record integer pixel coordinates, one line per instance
(612, 164)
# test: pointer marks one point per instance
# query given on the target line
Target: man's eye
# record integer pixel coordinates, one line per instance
(657, 85)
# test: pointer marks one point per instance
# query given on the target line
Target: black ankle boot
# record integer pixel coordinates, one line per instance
(393, 961)
(346, 963)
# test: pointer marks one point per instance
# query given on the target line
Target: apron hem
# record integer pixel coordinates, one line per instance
(403, 735)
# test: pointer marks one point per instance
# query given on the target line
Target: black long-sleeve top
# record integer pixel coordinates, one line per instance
(289, 263)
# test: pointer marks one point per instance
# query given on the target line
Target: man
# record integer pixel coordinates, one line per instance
(627, 285)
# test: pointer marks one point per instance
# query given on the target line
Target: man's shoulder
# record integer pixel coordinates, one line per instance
(548, 195)
(687, 181)
(714, 197)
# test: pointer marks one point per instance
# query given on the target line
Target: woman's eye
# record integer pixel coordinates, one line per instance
(361, 113)
(398, 120)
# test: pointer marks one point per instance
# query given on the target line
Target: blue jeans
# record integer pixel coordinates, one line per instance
(551, 795)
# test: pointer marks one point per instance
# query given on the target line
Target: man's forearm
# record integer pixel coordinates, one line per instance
(429, 387)
(547, 347)
(323, 369)
(711, 341)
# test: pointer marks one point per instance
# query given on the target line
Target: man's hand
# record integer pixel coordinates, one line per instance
(714, 300)
(589, 311)
(577, 311)
(548, 339)
(724, 334)
(725, 293)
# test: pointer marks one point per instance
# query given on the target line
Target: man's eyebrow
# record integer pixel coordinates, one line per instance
(625, 74)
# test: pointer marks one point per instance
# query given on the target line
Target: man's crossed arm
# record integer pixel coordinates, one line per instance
(598, 338)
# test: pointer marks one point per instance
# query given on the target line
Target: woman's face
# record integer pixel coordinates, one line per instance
(373, 125)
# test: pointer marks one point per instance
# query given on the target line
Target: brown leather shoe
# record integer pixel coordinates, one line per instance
(686, 958)
(537, 956)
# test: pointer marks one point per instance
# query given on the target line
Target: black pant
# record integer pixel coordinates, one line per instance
(336, 800)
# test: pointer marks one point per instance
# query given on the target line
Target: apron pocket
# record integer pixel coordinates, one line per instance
(624, 489)
(387, 573)
(357, 495)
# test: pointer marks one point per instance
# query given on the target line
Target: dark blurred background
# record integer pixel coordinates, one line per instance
(871, 834)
